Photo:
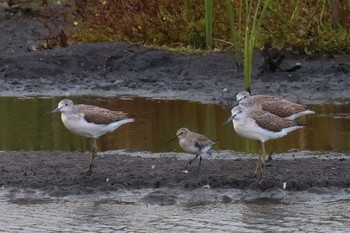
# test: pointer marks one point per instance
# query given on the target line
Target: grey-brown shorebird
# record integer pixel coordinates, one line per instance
(193, 143)
(90, 121)
(261, 126)
(278, 106)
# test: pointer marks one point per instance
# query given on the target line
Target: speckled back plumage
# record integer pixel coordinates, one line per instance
(90, 121)
(280, 107)
(200, 140)
(270, 121)
(97, 115)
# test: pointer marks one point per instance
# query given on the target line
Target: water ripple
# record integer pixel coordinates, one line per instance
(200, 210)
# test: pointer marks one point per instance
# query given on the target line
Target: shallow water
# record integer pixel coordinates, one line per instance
(26, 127)
(201, 210)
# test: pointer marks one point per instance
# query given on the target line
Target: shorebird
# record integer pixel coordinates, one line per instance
(193, 143)
(280, 107)
(90, 121)
(261, 126)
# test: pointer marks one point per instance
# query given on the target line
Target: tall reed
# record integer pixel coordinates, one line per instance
(236, 39)
(251, 30)
(188, 10)
(247, 17)
(209, 23)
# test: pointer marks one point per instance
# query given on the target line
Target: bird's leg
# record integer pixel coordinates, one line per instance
(269, 155)
(258, 170)
(263, 153)
(261, 163)
(259, 146)
(93, 157)
(257, 163)
(200, 162)
(190, 162)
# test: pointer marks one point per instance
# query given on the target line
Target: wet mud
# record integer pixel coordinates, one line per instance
(64, 173)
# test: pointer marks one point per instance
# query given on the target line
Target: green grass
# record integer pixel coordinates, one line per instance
(209, 23)
(180, 49)
(251, 32)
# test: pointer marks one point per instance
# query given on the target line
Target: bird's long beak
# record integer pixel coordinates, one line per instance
(171, 140)
(229, 120)
(53, 111)
(234, 104)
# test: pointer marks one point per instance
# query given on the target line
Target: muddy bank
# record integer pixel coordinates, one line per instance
(110, 69)
(63, 173)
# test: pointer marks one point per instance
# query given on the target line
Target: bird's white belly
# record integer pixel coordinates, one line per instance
(78, 125)
(192, 149)
(82, 128)
(189, 149)
(252, 131)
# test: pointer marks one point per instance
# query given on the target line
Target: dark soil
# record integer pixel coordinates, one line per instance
(64, 173)
(111, 69)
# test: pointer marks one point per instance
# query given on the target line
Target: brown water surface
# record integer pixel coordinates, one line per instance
(25, 126)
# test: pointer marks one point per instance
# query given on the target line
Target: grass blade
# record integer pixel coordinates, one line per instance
(209, 23)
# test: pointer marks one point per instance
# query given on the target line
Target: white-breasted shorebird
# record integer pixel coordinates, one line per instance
(193, 143)
(90, 121)
(278, 106)
(261, 126)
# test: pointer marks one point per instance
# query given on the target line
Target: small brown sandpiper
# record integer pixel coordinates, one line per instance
(193, 143)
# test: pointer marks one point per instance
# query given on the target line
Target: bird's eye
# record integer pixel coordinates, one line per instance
(66, 104)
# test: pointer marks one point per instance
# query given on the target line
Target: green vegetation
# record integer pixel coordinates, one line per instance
(209, 23)
(302, 26)
(299, 25)
(235, 29)
(251, 29)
